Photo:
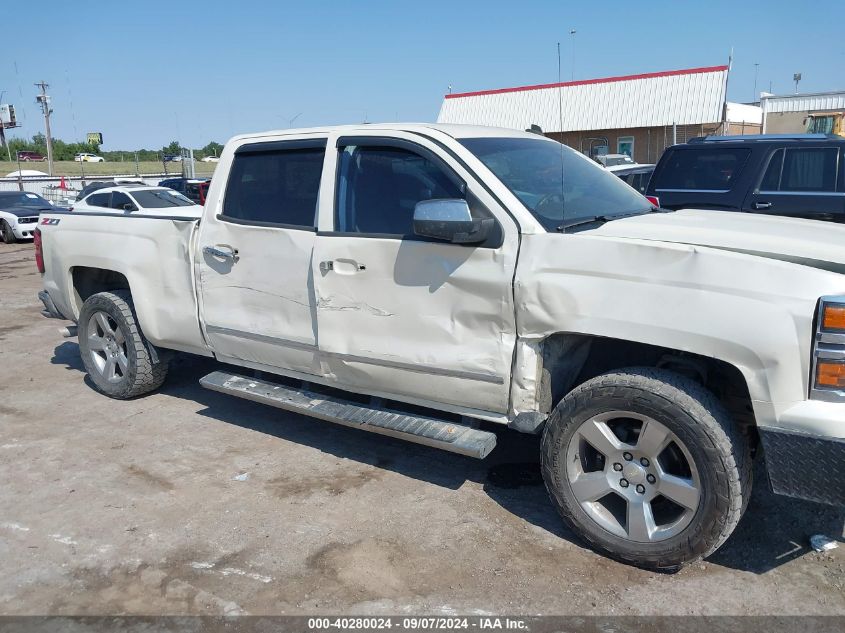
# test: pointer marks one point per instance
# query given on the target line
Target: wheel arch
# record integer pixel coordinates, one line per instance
(87, 281)
(567, 360)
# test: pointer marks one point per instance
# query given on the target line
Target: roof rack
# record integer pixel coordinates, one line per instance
(765, 137)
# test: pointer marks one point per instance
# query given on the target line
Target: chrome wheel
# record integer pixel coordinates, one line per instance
(633, 476)
(107, 346)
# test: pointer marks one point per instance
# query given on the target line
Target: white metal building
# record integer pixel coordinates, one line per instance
(784, 114)
(635, 114)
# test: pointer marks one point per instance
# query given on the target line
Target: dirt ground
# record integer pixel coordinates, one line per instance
(193, 502)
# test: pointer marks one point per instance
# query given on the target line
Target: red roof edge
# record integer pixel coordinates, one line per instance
(586, 82)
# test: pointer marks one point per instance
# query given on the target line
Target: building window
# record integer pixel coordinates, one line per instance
(625, 145)
(820, 124)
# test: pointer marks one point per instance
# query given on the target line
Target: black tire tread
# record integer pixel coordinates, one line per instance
(6, 233)
(147, 375)
(724, 445)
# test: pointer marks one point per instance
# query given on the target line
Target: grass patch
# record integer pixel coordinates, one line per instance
(74, 169)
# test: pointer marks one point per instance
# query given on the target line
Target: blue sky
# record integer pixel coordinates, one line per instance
(148, 73)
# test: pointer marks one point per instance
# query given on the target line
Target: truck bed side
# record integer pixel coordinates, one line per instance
(87, 253)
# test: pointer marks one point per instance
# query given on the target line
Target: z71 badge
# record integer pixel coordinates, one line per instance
(50, 221)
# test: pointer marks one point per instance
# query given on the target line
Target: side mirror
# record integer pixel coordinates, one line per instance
(450, 220)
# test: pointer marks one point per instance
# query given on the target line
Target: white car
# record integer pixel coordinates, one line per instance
(211, 159)
(138, 200)
(19, 214)
(88, 158)
(611, 161)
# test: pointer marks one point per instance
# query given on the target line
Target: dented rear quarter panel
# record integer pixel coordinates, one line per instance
(156, 257)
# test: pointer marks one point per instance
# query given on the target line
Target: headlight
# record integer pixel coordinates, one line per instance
(828, 377)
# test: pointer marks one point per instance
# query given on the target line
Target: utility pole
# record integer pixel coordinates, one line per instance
(3, 142)
(44, 101)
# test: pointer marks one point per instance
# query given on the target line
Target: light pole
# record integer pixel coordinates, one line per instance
(572, 49)
(756, 68)
(290, 121)
(796, 78)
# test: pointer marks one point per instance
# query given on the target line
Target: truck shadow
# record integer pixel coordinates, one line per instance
(774, 531)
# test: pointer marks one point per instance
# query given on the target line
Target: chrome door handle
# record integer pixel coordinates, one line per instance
(762, 205)
(219, 252)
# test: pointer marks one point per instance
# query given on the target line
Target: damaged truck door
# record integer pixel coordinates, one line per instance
(254, 260)
(401, 313)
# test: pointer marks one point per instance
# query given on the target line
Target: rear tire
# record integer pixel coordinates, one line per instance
(7, 233)
(657, 498)
(114, 350)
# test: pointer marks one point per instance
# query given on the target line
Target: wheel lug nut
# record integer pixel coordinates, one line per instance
(650, 479)
(627, 456)
(617, 466)
(624, 483)
(644, 462)
(640, 488)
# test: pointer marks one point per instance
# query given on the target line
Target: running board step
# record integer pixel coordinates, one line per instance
(451, 437)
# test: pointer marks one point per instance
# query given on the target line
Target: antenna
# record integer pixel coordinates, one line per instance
(560, 115)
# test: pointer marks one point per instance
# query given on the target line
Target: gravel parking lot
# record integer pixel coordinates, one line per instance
(192, 502)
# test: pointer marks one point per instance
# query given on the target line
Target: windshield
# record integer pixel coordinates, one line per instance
(24, 199)
(555, 183)
(160, 199)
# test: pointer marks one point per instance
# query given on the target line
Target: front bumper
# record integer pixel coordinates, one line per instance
(807, 467)
(25, 231)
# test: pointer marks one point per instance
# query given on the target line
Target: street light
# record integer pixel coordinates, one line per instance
(756, 96)
(290, 121)
(572, 42)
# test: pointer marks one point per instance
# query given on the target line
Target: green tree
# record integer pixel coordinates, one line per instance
(174, 148)
(212, 149)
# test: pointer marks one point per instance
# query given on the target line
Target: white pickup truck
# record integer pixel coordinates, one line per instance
(448, 277)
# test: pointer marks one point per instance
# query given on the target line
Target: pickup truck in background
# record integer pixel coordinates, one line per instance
(447, 278)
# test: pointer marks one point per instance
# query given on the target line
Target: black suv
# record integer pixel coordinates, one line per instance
(799, 175)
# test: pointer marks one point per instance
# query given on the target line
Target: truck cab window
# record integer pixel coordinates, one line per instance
(275, 187)
(98, 200)
(379, 187)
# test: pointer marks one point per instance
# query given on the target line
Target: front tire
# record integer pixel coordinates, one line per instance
(7, 233)
(115, 353)
(647, 467)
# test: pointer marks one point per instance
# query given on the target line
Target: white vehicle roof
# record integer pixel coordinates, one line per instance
(128, 188)
(452, 129)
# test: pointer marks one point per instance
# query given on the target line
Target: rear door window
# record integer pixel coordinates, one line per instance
(98, 199)
(712, 169)
(277, 187)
